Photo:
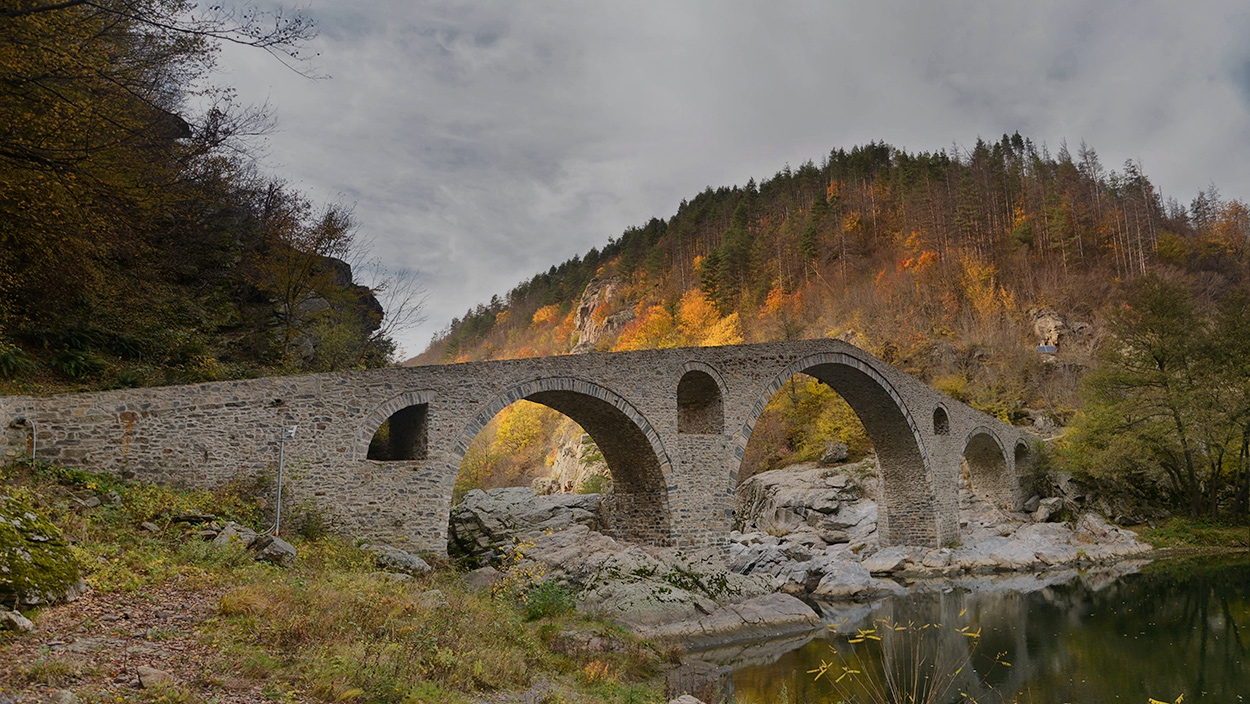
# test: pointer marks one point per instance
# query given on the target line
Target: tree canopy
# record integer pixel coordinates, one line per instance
(137, 236)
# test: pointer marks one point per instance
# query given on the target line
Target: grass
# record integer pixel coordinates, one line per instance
(328, 629)
(1185, 533)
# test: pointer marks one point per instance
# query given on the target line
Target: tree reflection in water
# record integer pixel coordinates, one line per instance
(1177, 627)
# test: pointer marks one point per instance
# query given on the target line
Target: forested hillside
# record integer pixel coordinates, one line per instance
(953, 265)
(139, 243)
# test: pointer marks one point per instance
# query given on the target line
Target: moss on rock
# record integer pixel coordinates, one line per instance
(36, 565)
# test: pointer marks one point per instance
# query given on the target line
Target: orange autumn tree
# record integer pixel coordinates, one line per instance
(696, 324)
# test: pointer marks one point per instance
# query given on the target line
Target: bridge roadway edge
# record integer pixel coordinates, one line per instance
(205, 435)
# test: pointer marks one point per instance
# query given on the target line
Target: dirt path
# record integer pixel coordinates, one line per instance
(94, 645)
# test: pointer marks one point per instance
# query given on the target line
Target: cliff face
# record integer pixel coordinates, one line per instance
(594, 321)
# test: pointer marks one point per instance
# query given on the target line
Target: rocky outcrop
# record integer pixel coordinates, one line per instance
(760, 618)
(636, 584)
(813, 529)
(594, 323)
(579, 466)
(486, 522)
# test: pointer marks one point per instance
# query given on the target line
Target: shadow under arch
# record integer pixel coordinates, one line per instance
(637, 459)
(907, 512)
(987, 465)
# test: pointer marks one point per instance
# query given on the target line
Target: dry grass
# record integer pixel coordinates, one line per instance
(328, 629)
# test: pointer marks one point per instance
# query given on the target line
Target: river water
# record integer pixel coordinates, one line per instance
(1170, 628)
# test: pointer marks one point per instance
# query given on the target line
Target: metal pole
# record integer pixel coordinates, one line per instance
(277, 524)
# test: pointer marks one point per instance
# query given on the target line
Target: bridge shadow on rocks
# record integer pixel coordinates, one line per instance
(672, 425)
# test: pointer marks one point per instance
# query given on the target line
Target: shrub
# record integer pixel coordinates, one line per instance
(13, 361)
(546, 600)
(77, 364)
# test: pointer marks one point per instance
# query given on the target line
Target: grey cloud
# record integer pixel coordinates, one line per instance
(483, 142)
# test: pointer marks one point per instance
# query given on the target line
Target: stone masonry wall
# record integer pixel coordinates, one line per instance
(679, 485)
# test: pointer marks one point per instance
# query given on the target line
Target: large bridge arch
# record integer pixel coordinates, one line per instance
(632, 449)
(907, 500)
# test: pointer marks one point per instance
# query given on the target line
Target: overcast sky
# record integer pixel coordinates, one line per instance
(482, 142)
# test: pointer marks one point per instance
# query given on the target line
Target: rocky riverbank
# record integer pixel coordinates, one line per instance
(804, 533)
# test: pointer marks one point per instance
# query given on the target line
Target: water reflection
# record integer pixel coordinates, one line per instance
(1180, 627)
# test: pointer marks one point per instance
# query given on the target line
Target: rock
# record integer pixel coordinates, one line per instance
(1049, 326)
(545, 486)
(274, 550)
(150, 677)
(62, 696)
(685, 699)
(834, 453)
(234, 533)
(889, 559)
(937, 559)
(152, 527)
(850, 580)
(578, 466)
(1070, 489)
(760, 618)
(582, 642)
(1047, 509)
(592, 321)
(14, 621)
(89, 502)
(1031, 505)
(784, 500)
(396, 560)
(36, 565)
(432, 599)
(482, 578)
(486, 522)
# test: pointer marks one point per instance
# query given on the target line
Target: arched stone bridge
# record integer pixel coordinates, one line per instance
(672, 425)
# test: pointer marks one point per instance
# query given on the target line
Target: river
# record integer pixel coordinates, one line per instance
(1164, 629)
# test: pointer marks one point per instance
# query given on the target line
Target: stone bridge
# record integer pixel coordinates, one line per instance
(672, 425)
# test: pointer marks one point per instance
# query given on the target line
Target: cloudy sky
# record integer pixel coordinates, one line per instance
(482, 142)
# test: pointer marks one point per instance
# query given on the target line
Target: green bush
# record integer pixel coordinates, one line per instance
(77, 364)
(13, 361)
(545, 600)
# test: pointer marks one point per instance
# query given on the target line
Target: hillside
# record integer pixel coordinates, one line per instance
(140, 243)
(953, 266)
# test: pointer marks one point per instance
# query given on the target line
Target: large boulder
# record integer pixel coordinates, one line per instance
(36, 566)
(827, 500)
(274, 550)
(487, 522)
(636, 584)
(399, 561)
(844, 579)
